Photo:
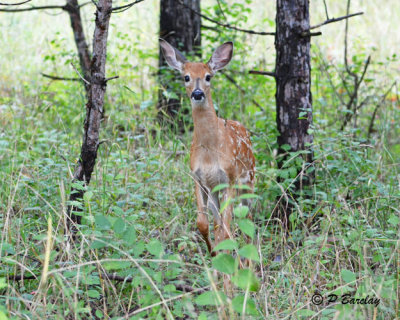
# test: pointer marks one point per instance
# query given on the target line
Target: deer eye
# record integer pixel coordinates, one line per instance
(187, 78)
(208, 78)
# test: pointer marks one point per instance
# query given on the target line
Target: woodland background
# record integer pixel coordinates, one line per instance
(138, 253)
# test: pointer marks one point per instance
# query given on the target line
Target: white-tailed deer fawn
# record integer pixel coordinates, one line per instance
(221, 149)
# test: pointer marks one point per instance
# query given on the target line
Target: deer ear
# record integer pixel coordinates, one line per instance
(221, 56)
(174, 58)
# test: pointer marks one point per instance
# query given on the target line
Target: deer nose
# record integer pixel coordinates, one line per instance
(198, 95)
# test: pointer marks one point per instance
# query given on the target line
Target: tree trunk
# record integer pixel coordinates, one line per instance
(180, 26)
(73, 10)
(293, 82)
(94, 106)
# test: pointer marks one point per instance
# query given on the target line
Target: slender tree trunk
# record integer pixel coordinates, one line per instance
(73, 9)
(180, 26)
(94, 106)
(293, 82)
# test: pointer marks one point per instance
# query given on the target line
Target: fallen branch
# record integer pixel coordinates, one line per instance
(227, 25)
(109, 276)
(180, 287)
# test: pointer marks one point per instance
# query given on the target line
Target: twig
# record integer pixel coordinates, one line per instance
(111, 78)
(59, 78)
(125, 7)
(311, 34)
(371, 124)
(80, 76)
(357, 82)
(263, 73)
(353, 97)
(203, 26)
(336, 20)
(227, 25)
(326, 10)
(32, 8)
(14, 4)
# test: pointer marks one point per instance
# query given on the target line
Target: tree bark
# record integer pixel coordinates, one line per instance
(94, 106)
(293, 82)
(73, 9)
(180, 26)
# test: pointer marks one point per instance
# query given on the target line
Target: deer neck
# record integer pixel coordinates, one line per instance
(205, 122)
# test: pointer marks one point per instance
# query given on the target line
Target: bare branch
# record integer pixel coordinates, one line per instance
(326, 10)
(354, 95)
(227, 25)
(125, 7)
(371, 124)
(59, 78)
(14, 4)
(336, 20)
(263, 73)
(110, 78)
(34, 8)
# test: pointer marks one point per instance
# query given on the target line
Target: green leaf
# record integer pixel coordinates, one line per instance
(250, 252)
(202, 316)
(130, 236)
(247, 227)
(220, 187)
(250, 308)
(98, 244)
(116, 265)
(155, 248)
(3, 283)
(119, 226)
(99, 314)
(241, 212)
(245, 278)
(211, 298)
(348, 276)
(394, 220)
(3, 316)
(224, 262)
(93, 294)
(102, 222)
(146, 104)
(305, 312)
(87, 196)
(227, 244)
(248, 196)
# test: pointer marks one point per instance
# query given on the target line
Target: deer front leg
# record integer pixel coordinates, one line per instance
(202, 219)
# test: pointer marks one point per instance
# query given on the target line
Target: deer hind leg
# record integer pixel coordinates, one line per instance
(202, 219)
